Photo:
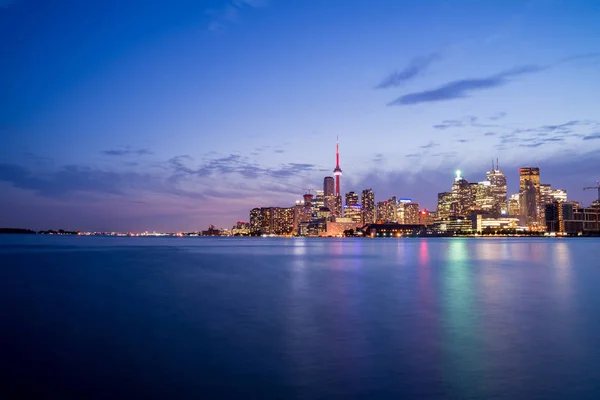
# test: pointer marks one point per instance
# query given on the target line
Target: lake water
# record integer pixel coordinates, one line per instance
(505, 318)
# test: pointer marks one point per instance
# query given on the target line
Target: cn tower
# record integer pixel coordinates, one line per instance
(337, 172)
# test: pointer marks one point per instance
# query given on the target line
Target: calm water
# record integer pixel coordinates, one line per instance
(300, 318)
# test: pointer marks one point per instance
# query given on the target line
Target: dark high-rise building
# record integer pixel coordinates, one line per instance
(329, 193)
(531, 175)
(368, 206)
(529, 207)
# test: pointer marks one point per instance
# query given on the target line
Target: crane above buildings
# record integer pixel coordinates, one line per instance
(597, 187)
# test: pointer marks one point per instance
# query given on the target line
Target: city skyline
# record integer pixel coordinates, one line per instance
(171, 116)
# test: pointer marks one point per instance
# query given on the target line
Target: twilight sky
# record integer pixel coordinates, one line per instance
(139, 115)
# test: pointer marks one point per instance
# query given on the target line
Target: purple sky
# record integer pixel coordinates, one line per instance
(171, 115)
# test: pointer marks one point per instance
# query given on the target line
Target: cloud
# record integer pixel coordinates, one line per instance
(126, 152)
(430, 145)
(463, 88)
(230, 13)
(498, 116)
(279, 151)
(593, 136)
(236, 164)
(71, 179)
(489, 134)
(378, 158)
(468, 121)
(463, 140)
(416, 67)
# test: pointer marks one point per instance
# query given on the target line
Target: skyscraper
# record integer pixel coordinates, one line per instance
(351, 199)
(529, 207)
(497, 180)
(446, 206)
(368, 206)
(463, 195)
(329, 192)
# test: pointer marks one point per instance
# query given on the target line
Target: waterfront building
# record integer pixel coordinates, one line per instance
(272, 220)
(368, 206)
(386, 210)
(411, 214)
(353, 212)
(446, 206)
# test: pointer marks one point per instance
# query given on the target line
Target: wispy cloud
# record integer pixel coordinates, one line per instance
(229, 14)
(468, 121)
(464, 87)
(593, 136)
(126, 151)
(416, 67)
(430, 145)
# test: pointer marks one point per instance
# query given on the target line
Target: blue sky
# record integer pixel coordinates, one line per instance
(170, 115)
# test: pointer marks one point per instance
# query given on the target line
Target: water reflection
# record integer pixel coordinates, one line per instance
(460, 330)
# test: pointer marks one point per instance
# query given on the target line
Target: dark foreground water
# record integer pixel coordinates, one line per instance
(300, 318)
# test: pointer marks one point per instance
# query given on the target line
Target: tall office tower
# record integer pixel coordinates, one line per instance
(484, 197)
(329, 192)
(351, 199)
(532, 175)
(307, 212)
(529, 208)
(337, 172)
(498, 181)
(411, 213)
(446, 206)
(337, 207)
(368, 206)
(514, 205)
(463, 194)
(319, 200)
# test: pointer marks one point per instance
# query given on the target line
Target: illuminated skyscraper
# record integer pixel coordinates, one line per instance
(497, 180)
(446, 207)
(411, 213)
(368, 206)
(386, 210)
(351, 199)
(484, 197)
(514, 205)
(463, 195)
